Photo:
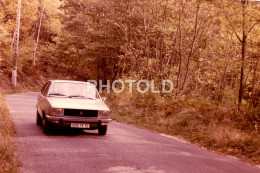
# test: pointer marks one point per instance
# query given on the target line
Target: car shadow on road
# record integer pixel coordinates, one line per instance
(59, 131)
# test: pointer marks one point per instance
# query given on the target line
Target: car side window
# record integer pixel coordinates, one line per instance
(46, 89)
(97, 96)
(43, 88)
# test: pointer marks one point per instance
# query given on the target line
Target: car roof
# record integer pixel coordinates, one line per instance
(71, 81)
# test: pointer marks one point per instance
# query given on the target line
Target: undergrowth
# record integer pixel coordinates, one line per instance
(218, 127)
(9, 161)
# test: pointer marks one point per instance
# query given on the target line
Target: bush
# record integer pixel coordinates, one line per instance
(197, 119)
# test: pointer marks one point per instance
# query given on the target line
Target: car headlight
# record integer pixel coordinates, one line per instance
(103, 113)
(56, 111)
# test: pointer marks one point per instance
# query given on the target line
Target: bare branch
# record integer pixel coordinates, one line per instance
(253, 17)
(233, 29)
(252, 27)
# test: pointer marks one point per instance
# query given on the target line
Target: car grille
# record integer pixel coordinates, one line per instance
(80, 113)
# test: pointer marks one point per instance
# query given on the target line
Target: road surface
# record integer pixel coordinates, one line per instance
(125, 149)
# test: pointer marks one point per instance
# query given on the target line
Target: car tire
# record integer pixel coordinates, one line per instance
(38, 119)
(102, 130)
(46, 125)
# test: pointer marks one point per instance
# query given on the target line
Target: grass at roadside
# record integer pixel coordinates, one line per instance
(215, 127)
(9, 161)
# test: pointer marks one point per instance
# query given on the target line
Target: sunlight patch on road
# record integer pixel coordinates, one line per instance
(123, 169)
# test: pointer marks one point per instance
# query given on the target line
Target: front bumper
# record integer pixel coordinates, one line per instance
(65, 121)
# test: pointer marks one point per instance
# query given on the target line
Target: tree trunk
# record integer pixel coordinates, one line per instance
(147, 46)
(180, 49)
(192, 46)
(241, 89)
(38, 35)
(16, 46)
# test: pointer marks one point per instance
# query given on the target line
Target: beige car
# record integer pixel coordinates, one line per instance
(71, 104)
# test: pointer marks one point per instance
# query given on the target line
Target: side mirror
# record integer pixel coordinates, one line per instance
(103, 99)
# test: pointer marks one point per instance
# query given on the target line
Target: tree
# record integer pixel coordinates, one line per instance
(38, 33)
(16, 44)
(242, 20)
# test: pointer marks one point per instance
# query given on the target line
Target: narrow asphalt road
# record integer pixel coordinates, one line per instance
(125, 149)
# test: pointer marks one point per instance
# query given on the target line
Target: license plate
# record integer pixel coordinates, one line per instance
(79, 125)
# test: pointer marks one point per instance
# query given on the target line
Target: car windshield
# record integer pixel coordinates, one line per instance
(73, 90)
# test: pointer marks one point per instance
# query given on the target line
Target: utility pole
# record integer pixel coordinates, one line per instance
(16, 44)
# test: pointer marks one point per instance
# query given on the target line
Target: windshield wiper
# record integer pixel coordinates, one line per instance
(56, 94)
(90, 98)
(71, 96)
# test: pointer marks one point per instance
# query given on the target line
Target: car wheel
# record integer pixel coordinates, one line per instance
(38, 119)
(102, 130)
(46, 125)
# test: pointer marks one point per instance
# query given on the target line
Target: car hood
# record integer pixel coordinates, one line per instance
(77, 103)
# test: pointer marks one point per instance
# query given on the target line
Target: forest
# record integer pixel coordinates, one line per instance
(210, 49)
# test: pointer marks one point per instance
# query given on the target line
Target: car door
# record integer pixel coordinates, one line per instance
(42, 101)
